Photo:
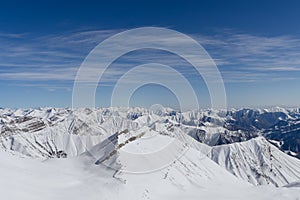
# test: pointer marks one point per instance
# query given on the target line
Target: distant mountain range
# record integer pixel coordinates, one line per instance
(279, 126)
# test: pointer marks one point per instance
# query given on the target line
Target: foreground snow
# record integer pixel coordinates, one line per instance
(79, 178)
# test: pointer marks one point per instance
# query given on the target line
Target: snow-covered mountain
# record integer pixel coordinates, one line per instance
(258, 162)
(193, 176)
(135, 153)
(280, 126)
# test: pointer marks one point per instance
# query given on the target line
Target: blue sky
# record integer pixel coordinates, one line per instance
(255, 44)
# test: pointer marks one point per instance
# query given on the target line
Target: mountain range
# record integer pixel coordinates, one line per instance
(137, 153)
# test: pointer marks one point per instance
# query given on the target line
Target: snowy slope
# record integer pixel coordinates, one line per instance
(190, 177)
(258, 162)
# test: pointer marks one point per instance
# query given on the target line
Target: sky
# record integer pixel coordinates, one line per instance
(255, 45)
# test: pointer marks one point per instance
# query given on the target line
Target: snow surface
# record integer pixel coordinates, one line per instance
(258, 162)
(125, 153)
(191, 177)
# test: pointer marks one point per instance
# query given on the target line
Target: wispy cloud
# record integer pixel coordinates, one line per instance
(270, 53)
(24, 57)
(240, 57)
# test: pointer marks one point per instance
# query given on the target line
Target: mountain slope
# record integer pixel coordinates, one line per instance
(258, 162)
(193, 176)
